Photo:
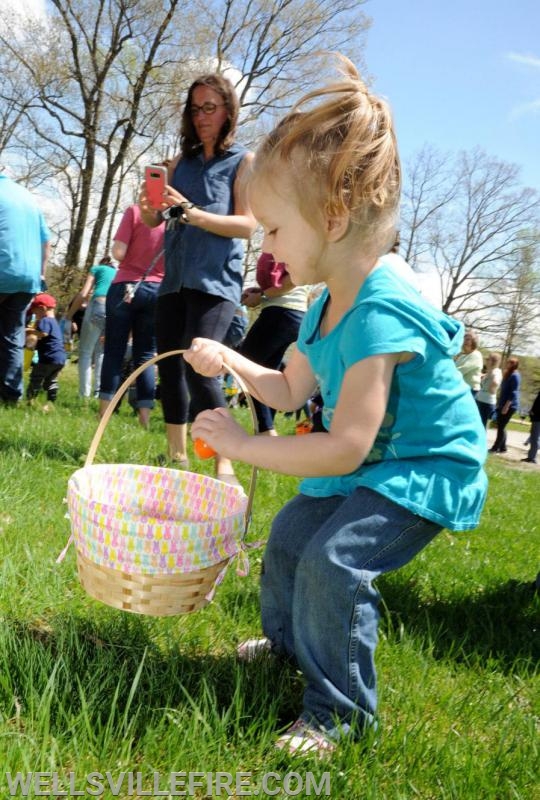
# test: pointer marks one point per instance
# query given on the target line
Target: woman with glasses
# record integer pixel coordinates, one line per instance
(208, 217)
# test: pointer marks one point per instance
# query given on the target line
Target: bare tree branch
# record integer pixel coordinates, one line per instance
(470, 221)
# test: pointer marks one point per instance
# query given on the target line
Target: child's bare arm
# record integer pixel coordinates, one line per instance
(356, 420)
(285, 391)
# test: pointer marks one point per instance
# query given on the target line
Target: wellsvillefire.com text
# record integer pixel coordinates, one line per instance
(173, 784)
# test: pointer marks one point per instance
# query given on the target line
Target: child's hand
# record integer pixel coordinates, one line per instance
(206, 357)
(252, 297)
(220, 431)
(31, 340)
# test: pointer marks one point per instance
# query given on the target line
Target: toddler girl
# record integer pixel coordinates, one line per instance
(403, 447)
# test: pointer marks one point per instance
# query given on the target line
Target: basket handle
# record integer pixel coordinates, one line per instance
(94, 444)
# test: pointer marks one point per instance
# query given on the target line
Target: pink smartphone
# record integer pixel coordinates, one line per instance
(155, 178)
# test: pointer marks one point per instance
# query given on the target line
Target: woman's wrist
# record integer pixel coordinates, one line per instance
(191, 214)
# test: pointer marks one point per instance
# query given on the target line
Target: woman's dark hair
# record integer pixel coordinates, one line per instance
(511, 366)
(107, 259)
(190, 142)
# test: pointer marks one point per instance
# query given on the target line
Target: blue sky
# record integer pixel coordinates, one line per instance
(460, 74)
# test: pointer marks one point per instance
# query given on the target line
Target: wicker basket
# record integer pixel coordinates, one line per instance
(152, 540)
(154, 595)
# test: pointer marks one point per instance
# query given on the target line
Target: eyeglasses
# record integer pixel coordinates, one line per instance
(206, 108)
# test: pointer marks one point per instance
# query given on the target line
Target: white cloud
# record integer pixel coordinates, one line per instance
(526, 108)
(528, 60)
(532, 62)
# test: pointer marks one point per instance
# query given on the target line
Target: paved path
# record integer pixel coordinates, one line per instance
(516, 445)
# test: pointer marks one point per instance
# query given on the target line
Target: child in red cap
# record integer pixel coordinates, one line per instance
(50, 348)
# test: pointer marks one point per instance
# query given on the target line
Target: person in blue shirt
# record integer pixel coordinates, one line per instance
(508, 402)
(24, 251)
(202, 286)
(50, 349)
(402, 453)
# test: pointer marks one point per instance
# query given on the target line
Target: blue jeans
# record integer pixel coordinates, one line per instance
(318, 602)
(91, 346)
(266, 342)
(236, 332)
(12, 324)
(138, 320)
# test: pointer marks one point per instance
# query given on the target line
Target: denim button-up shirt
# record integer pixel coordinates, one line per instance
(195, 258)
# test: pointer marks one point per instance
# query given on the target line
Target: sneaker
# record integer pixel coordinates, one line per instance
(252, 649)
(302, 738)
(529, 460)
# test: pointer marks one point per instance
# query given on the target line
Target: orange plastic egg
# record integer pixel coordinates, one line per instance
(202, 449)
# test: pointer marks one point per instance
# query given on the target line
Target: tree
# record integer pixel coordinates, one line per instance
(520, 305)
(88, 66)
(108, 76)
(428, 188)
(14, 101)
(271, 44)
(465, 219)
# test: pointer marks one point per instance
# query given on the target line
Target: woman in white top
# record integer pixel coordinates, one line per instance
(486, 398)
(470, 362)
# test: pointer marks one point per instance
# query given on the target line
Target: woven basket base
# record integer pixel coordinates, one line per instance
(154, 595)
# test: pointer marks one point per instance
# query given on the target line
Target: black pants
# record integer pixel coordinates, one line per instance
(274, 330)
(44, 376)
(180, 316)
(499, 445)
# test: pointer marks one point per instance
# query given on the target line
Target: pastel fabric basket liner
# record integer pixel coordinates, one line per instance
(153, 540)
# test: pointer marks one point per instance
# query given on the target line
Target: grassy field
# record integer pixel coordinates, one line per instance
(85, 688)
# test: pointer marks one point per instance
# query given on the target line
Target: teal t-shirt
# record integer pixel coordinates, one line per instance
(103, 276)
(429, 452)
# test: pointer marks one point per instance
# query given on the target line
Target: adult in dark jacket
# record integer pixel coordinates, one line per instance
(534, 438)
(508, 403)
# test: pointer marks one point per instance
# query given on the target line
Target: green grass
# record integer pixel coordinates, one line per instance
(86, 688)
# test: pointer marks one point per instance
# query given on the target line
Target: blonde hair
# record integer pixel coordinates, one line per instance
(342, 152)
